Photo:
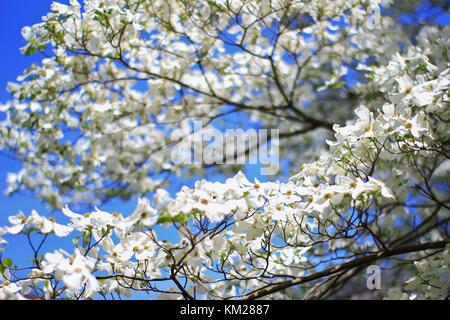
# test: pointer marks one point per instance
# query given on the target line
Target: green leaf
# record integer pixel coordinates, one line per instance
(337, 85)
(164, 218)
(7, 262)
(75, 240)
(30, 50)
(181, 218)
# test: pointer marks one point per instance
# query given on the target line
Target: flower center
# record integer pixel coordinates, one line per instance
(137, 249)
(144, 215)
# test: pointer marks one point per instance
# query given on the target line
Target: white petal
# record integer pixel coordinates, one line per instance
(66, 211)
(15, 229)
(387, 193)
(404, 82)
(363, 113)
(73, 281)
(61, 230)
(47, 226)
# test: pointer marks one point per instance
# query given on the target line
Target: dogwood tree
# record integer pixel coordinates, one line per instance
(362, 109)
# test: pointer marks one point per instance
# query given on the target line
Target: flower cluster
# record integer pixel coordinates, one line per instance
(122, 76)
(40, 223)
(429, 282)
(378, 191)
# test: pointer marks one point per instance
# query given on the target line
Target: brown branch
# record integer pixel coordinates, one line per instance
(344, 266)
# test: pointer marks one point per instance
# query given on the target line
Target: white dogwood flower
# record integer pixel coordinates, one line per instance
(18, 222)
(144, 213)
(49, 225)
(74, 270)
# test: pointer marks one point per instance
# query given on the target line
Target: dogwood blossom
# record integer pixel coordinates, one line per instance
(41, 223)
(375, 192)
(2, 232)
(75, 271)
(9, 291)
